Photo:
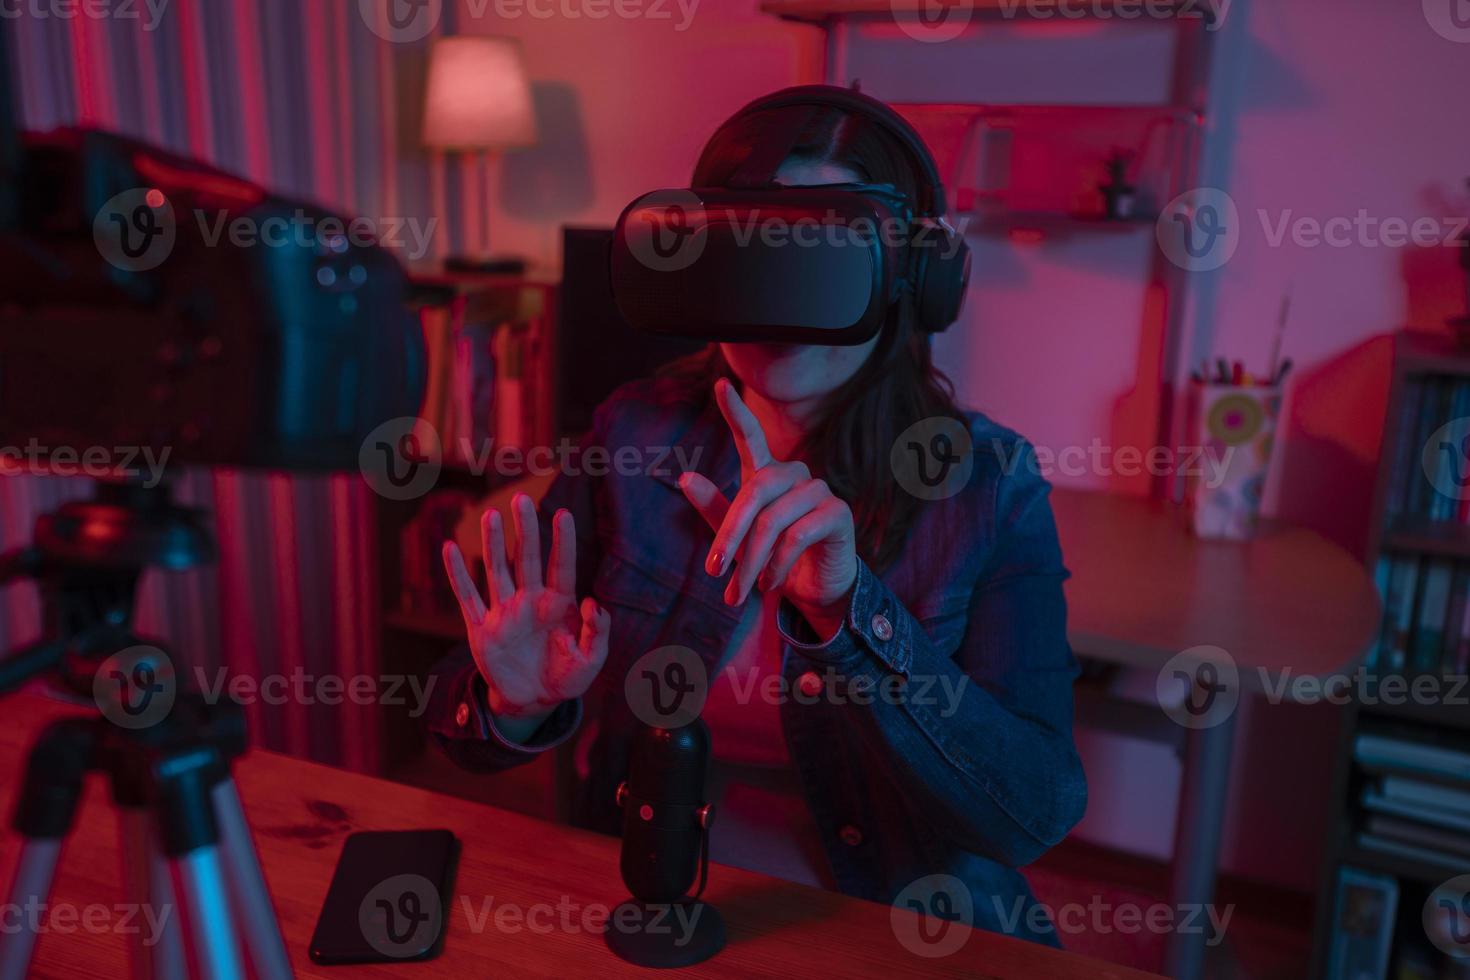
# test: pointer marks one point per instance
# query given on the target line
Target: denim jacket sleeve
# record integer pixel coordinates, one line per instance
(996, 764)
(459, 718)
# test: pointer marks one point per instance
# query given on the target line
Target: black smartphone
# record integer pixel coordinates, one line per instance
(389, 898)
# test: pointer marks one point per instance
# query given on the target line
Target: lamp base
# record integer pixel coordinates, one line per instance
(502, 265)
(665, 936)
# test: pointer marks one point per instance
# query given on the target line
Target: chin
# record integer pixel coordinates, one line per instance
(787, 373)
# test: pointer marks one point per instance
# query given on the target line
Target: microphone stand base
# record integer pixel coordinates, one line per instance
(664, 935)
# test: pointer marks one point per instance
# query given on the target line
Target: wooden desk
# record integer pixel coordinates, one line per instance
(301, 812)
(1144, 589)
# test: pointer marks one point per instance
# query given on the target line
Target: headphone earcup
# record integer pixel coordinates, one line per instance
(941, 275)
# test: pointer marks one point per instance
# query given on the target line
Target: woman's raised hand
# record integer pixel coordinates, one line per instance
(785, 530)
(533, 645)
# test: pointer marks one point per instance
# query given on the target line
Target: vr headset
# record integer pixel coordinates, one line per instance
(763, 262)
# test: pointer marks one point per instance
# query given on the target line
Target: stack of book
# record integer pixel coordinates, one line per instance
(1426, 616)
(1416, 799)
(1429, 403)
(480, 393)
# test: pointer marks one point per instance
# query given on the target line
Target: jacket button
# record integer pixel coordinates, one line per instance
(882, 628)
(462, 714)
(850, 835)
(809, 684)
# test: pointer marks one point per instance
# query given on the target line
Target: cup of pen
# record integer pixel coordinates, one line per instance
(1234, 426)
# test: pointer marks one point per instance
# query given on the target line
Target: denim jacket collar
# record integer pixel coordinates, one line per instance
(708, 446)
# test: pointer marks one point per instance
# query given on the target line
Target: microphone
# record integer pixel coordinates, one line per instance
(666, 822)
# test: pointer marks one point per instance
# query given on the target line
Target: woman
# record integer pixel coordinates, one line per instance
(793, 556)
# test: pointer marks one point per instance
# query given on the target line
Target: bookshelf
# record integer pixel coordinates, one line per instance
(1419, 536)
(477, 317)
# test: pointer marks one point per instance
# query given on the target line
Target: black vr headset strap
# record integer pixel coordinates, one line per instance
(778, 131)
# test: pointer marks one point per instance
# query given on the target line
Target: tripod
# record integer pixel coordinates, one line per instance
(167, 755)
(179, 819)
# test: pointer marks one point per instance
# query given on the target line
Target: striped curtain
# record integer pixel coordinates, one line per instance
(300, 96)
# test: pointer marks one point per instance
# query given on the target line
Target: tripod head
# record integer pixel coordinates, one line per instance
(86, 558)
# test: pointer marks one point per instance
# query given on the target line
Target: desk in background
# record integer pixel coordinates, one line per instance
(301, 812)
(1144, 589)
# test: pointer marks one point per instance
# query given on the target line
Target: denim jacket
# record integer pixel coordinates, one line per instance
(901, 787)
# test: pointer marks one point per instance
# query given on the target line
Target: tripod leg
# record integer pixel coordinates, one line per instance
(28, 890)
(146, 879)
(202, 876)
(43, 815)
(189, 834)
(252, 900)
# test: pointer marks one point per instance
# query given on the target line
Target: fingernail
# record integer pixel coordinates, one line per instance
(715, 563)
(763, 581)
(730, 593)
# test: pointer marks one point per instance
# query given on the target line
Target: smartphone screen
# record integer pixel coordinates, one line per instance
(389, 898)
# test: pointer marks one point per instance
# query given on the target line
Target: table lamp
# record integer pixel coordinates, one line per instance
(478, 99)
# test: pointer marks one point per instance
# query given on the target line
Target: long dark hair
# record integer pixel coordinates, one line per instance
(857, 423)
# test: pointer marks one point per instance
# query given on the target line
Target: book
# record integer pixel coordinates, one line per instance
(1374, 801)
(1403, 624)
(1410, 852)
(1405, 462)
(1417, 791)
(473, 392)
(1409, 831)
(1388, 752)
(1421, 489)
(1427, 644)
(438, 324)
(1460, 665)
(1382, 582)
(1447, 505)
(1454, 620)
(1362, 925)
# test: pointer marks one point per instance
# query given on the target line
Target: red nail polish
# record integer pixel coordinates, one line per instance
(715, 563)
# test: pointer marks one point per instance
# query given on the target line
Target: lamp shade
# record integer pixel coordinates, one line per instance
(478, 96)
